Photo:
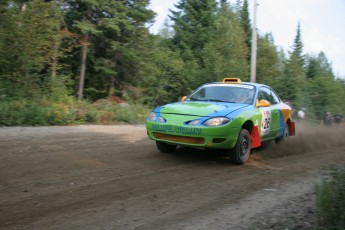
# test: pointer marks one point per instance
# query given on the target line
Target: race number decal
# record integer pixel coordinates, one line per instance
(265, 122)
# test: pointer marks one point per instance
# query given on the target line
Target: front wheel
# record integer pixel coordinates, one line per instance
(240, 154)
(164, 147)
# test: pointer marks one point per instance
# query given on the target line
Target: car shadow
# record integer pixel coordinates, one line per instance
(207, 156)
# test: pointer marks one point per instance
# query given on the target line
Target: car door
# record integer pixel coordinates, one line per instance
(276, 114)
(270, 116)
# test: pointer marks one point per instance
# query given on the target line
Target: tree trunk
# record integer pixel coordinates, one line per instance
(111, 86)
(82, 69)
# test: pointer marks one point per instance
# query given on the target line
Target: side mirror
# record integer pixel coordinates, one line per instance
(263, 103)
(183, 98)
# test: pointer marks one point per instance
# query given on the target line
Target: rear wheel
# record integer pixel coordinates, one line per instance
(240, 154)
(285, 136)
(164, 147)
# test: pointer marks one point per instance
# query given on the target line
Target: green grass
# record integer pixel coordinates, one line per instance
(330, 196)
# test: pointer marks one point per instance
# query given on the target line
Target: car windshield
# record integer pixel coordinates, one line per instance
(231, 93)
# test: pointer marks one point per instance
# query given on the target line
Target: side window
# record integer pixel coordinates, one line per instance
(264, 94)
(269, 95)
(275, 98)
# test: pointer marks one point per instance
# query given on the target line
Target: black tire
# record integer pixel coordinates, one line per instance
(285, 136)
(240, 154)
(164, 147)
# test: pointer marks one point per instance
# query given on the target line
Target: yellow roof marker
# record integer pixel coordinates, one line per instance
(231, 80)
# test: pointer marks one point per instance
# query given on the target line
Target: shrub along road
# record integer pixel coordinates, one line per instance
(113, 177)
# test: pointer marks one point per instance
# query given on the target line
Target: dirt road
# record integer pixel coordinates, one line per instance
(112, 177)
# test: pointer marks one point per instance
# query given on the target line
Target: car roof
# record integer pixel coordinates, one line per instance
(256, 85)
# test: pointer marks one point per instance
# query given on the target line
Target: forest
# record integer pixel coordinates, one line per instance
(66, 62)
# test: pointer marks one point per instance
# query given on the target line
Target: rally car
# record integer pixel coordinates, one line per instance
(231, 115)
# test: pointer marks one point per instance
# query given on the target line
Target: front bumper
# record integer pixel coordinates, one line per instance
(220, 137)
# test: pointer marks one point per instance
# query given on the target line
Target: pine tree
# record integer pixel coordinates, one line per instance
(294, 78)
(246, 25)
(117, 38)
(268, 61)
(163, 82)
(323, 90)
(192, 25)
(319, 66)
(297, 48)
(226, 53)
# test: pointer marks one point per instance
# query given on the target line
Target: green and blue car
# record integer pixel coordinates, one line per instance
(230, 115)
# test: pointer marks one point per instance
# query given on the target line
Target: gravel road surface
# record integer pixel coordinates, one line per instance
(113, 177)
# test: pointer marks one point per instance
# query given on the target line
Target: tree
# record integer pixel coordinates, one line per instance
(164, 81)
(31, 45)
(324, 91)
(297, 48)
(246, 25)
(226, 53)
(292, 86)
(116, 33)
(193, 23)
(318, 66)
(268, 61)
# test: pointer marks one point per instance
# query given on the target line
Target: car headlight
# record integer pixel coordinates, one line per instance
(217, 121)
(152, 116)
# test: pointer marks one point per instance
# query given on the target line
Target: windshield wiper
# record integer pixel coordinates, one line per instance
(217, 100)
(213, 100)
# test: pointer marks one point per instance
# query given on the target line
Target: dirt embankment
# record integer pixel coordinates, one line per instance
(112, 177)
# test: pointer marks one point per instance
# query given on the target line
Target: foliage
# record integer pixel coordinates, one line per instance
(246, 25)
(45, 112)
(225, 55)
(30, 45)
(268, 70)
(192, 25)
(331, 200)
(297, 48)
(117, 43)
(164, 82)
(42, 42)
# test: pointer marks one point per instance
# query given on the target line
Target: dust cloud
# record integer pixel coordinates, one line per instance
(309, 138)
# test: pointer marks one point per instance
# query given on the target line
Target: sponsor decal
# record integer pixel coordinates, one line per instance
(176, 129)
(265, 122)
(231, 85)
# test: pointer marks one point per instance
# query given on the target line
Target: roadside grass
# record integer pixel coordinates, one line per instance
(330, 198)
(44, 112)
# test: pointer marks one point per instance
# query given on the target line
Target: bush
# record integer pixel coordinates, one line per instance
(331, 200)
(110, 112)
(14, 113)
(60, 114)
(70, 112)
